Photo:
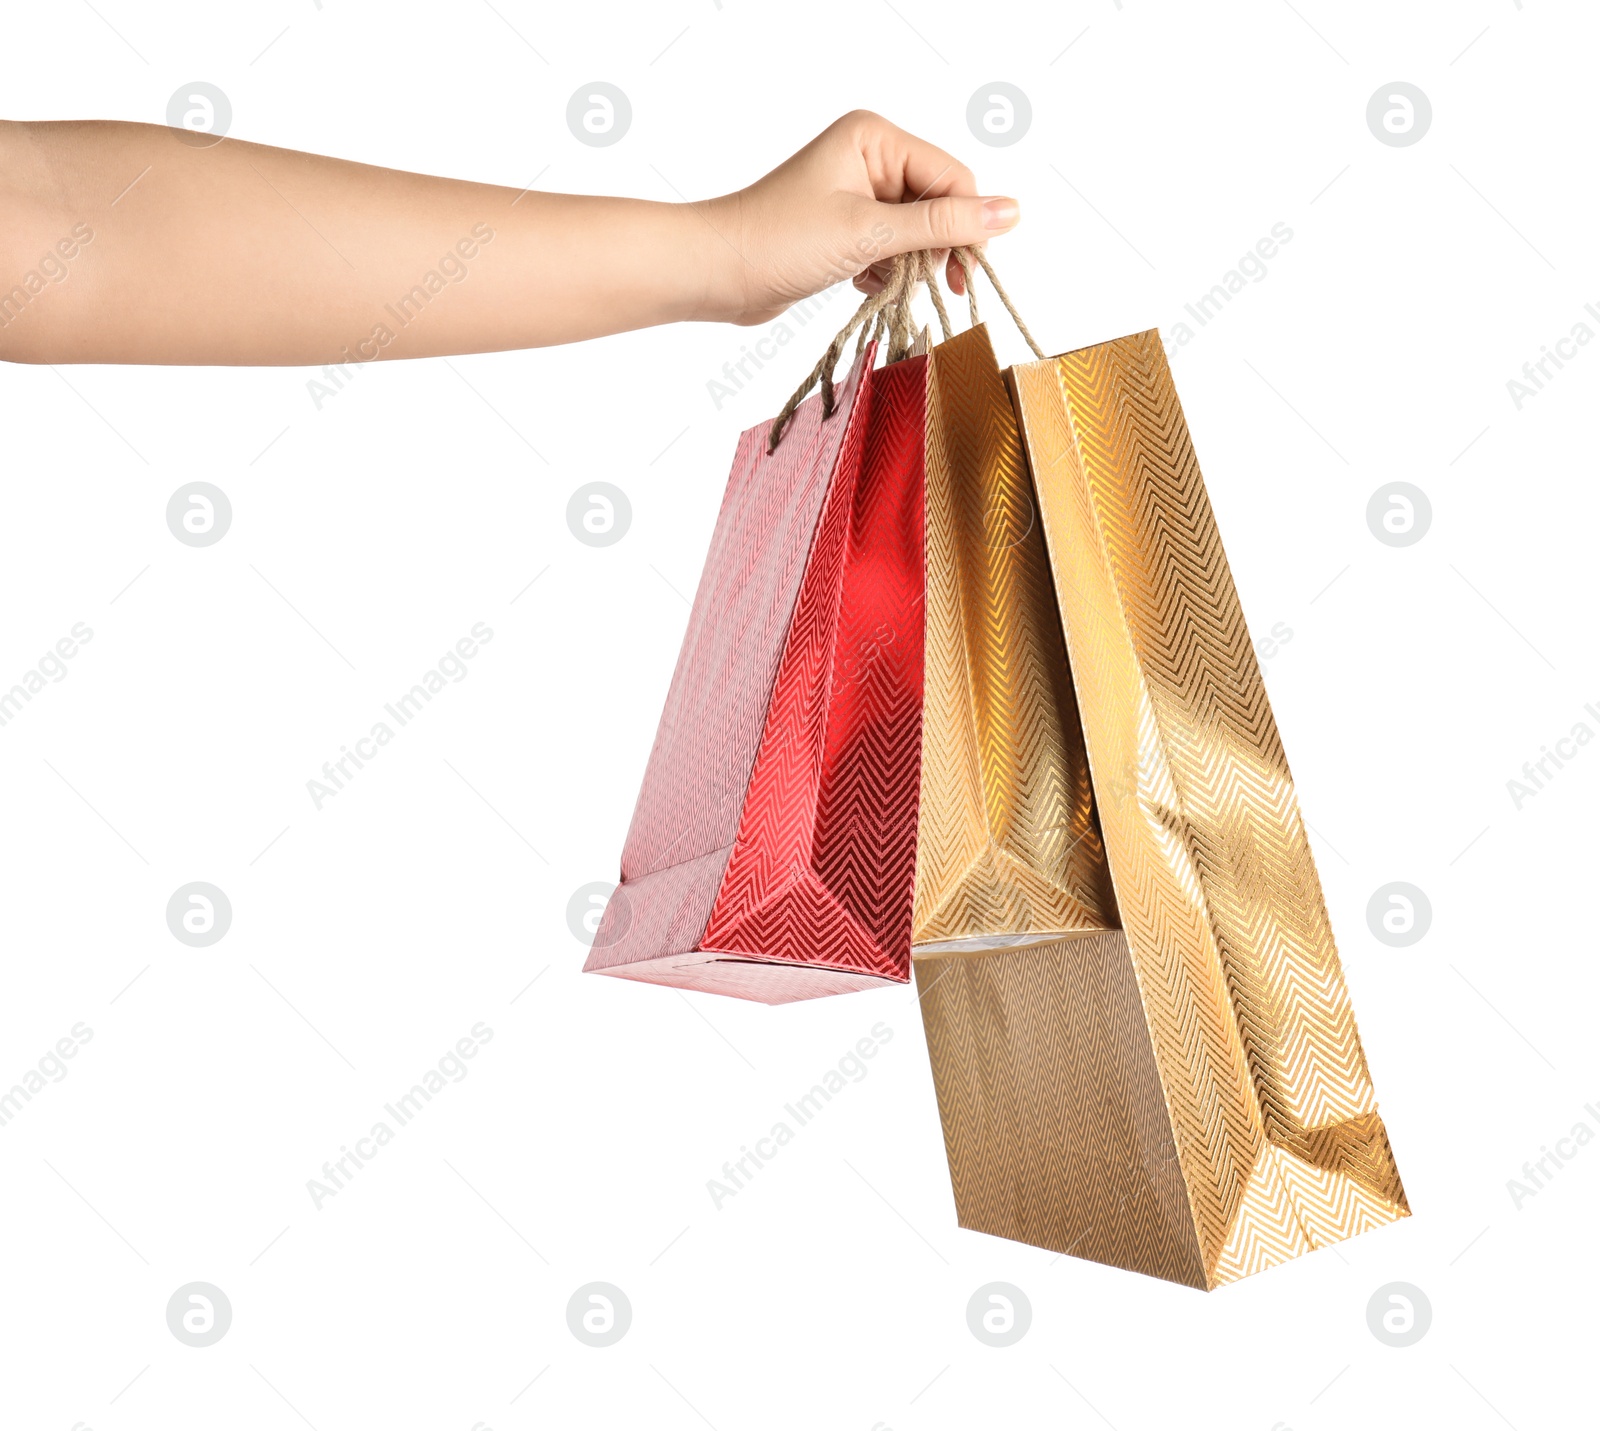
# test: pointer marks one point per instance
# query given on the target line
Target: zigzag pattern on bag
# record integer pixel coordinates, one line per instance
(1007, 849)
(1186, 1011)
(1243, 998)
(694, 786)
(823, 864)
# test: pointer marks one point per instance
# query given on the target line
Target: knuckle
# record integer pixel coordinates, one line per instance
(943, 222)
(853, 126)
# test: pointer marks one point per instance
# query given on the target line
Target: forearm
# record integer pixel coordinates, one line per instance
(125, 244)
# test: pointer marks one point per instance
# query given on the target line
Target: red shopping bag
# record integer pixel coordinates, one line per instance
(772, 852)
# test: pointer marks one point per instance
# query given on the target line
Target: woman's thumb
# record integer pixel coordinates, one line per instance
(953, 221)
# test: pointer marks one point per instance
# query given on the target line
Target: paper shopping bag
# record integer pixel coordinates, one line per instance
(1007, 848)
(772, 851)
(1185, 1094)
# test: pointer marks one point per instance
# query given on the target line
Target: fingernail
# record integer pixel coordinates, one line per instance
(999, 213)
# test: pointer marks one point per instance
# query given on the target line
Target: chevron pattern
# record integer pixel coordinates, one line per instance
(772, 851)
(1008, 850)
(823, 866)
(1241, 998)
(694, 786)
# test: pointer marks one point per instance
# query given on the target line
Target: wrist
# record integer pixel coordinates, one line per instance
(707, 272)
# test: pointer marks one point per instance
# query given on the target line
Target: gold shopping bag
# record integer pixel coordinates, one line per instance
(1007, 852)
(1180, 1091)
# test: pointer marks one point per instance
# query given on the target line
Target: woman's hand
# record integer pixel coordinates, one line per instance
(862, 191)
(127, 243)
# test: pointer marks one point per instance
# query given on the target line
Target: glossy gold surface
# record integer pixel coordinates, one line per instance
(1241, 1012)
(1007, 849)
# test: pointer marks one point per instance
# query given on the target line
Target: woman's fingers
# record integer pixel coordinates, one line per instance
(952, 221)
(954, 276)
(902, 168)
(922, 197)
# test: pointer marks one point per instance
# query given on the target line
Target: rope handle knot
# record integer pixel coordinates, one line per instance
(888, 313)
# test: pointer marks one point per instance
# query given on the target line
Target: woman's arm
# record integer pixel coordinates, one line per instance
(130, 243)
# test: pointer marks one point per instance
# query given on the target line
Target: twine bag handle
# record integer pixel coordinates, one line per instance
(888, 313)
(895, 320)
(867, 318)
(964, 257)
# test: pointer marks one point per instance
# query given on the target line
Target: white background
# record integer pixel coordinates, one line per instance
(369, 936)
